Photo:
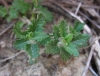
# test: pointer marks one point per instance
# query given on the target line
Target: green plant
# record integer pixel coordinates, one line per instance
(65, 40)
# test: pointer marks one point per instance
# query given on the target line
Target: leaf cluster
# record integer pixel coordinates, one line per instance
(22, 8)
(30, 38)
(66, 40)
(17, 7)
(40, 9)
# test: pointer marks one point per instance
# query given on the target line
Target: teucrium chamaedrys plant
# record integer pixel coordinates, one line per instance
(65, 40)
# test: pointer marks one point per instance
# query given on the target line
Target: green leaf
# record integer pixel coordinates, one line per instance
(48, 15)
(13, 14)
(69, 38)
(21, 6)
(56, 32)
(71, 49)
(32, 27)
(17, 30)
(78, 26)
(20, 44)
(40, 22)
(3, 11)
(29, 35)
(62, 28)
(64, 55)
(72, 30)
(37, 24)
(51, 47)
(80, 40)
(45, 41)
(32, 50)
(39, 36)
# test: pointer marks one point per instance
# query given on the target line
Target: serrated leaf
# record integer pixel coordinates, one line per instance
(3, 11)
(32, 27)
(39, 36)
(78, 26)
(17, 30)
(12, 14)
(64, 55)
(30, 35)
(62, 28)
(56, 32)
(32, 50)
(20, 44)
(37, 24)
(69, 38)
(45, 41)
(72, 30)
(40, 22)
(48, 15)
(71, 49)
(51, 47)
(21, 5)
(80, 40)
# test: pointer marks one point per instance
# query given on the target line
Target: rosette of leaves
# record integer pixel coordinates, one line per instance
(29, 39)
(66, 40)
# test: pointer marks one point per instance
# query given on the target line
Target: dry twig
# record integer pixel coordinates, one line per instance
(93, 22)
(75, 4)
(88, 61)
(5, 3)
(78, 7)
(90, 68)
(13, 56)
(91, 43)
(7, 29)
(92, 71)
